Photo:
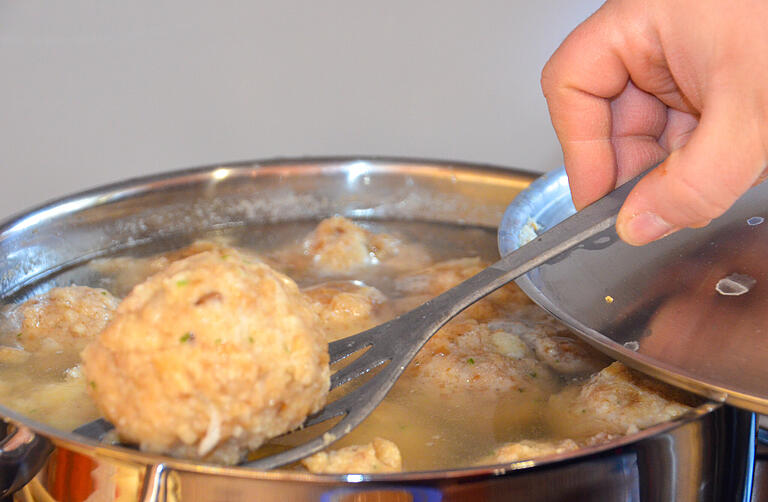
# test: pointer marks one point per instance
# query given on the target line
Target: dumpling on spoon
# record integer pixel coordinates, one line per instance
(209, 358)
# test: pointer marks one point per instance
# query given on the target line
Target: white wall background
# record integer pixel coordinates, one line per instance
(96, 91)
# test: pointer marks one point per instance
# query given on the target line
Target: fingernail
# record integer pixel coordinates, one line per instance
(644, 228)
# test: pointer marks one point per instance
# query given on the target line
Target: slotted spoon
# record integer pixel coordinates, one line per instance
(396, 342)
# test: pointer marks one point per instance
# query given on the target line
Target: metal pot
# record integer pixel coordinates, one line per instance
(706, 456)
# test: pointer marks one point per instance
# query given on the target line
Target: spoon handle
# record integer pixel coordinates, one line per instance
(571, 232)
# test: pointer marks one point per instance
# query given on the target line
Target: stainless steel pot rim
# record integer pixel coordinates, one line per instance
(289, 166)
(122, 453)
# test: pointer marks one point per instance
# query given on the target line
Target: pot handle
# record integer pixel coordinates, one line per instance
(22, 454)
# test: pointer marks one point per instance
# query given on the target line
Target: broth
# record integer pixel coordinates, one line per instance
(443, 413)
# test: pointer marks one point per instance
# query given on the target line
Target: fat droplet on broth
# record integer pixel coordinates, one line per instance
(735, 285)
(755, 220)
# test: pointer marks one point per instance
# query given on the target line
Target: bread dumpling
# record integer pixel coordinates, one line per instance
(209, 358)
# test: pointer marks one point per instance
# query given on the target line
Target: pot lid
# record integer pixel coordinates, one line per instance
(691, 309)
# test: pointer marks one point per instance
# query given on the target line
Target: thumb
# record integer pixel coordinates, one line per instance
(700, 181)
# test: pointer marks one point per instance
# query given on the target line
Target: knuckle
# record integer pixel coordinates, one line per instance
(548, 79)
(704, 201)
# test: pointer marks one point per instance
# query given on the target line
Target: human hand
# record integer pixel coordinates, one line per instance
(679, 81)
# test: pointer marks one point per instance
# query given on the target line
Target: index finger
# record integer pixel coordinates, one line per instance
(578, 82)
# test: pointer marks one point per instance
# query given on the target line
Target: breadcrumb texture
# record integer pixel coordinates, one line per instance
(347, 307)
(209, 358)
(125, 272)
(617, 400)
(431, 281)
(40, 342)
(552, 343)
(528, 449)
(471, 356)
(380, 455)
(64, 317)
(338, 246)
